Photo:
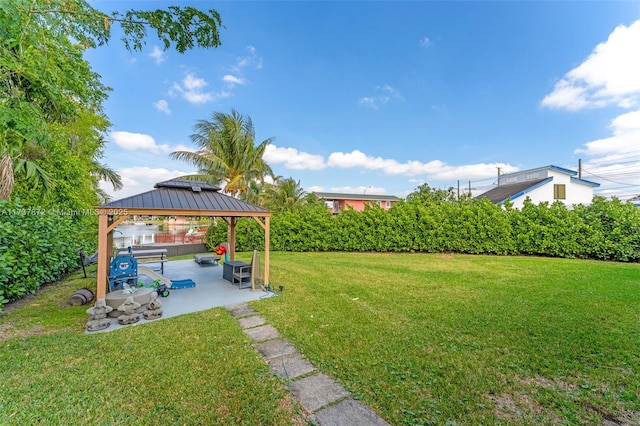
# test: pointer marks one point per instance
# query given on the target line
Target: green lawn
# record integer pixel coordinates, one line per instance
(422, 339)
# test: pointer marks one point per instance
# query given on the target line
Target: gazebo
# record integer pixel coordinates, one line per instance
(176, 197)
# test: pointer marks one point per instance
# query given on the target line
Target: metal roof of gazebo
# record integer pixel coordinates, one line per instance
(176, 197)
(190, 195)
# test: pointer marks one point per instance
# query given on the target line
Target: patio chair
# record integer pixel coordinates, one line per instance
(248, 275)
(86, 260)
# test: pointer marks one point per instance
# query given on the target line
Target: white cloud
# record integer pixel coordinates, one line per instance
(236, 77)
(293, 159)
(315, 188)
(191, 82)
(624, 142)
(192, 89)
(250, 59)
(435, 169)
(610, 75)
(138, 141)
(385, 94)
(426, 42)
(614, 162)
(157, 54)
(367, 101)
(233, 80)
(162, 106)
(182, 147)
(136, 180)
(358, 190)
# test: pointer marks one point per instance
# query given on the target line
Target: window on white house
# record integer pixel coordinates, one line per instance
(559, 191)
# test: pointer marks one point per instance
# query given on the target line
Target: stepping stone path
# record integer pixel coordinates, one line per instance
(324, 399)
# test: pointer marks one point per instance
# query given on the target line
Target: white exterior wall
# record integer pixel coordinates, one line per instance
(576, 192)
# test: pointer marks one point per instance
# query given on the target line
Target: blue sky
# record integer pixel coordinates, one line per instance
(384, 96)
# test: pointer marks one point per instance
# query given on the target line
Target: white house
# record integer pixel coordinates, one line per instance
(548, 183)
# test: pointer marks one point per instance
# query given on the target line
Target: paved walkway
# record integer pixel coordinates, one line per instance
(326, 401)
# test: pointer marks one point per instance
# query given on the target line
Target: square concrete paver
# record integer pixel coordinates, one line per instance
(261, 333)
(348, 412)
(314, 392)
(252, 321)
(291, 366)
(240, 310)
(275, 348)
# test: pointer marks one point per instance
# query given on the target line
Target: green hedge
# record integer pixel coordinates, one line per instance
(37, 246)
(605, 230)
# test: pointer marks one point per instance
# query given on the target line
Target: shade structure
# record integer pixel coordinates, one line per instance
(176, 197)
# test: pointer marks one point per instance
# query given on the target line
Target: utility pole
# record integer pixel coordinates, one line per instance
(458, 189)
(579, 168)
(498, 176)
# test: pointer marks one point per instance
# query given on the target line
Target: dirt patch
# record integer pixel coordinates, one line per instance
(624, 418)
(8, 330)
(506, 407)
(543, 382)
(515, 407)
(288, 404)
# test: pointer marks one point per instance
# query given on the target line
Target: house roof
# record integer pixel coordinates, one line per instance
(362, 197)
(572, 174)
(502, 193)
(185, 195)
(584, 181)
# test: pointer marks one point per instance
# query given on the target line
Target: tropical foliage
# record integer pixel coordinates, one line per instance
(227, 154)
(52, 126)
(44, 80)
(37, 246)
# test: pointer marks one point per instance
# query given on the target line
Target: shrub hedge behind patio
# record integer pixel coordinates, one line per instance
(604, 230)
(37, 246)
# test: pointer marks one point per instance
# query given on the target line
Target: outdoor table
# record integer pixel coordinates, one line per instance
(228, 268)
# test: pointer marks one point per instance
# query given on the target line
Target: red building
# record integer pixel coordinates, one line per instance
(337, 202)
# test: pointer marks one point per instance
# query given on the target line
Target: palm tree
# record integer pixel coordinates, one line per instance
(227, 154)
(12, 163)
(105, 173)
(286, 194)
(256, 193)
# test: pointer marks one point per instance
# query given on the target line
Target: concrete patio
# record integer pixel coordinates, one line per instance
(211, 290)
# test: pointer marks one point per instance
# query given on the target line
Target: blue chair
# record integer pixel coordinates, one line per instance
(123, 269)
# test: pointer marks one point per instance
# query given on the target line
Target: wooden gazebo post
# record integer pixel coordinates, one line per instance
(105, 244)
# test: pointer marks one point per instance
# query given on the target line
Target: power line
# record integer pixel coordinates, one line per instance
(609, 180)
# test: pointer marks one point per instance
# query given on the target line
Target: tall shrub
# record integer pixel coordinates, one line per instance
(37, 246)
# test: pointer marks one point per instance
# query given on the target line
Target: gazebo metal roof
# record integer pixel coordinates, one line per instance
(187, 195)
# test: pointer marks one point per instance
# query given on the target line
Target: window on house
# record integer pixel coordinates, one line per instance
(559, 192)
(387, 203)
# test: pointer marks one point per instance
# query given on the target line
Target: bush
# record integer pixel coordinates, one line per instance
(605, 230)
(36, 248)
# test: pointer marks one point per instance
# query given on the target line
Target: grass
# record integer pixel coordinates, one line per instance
(422, 339)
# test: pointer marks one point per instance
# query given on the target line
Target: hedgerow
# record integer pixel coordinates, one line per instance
(604, 230)
(36, 247)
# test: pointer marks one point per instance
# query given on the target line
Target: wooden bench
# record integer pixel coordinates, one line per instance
(153, 255)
